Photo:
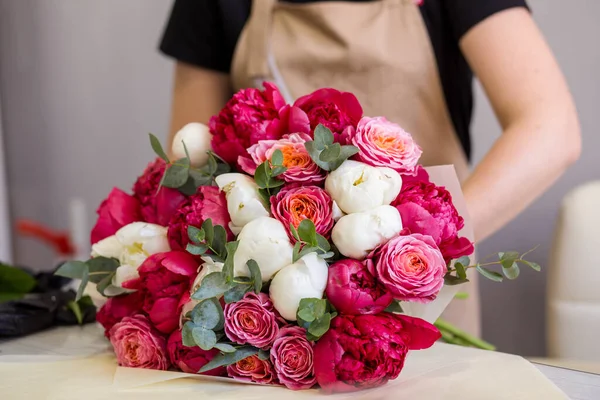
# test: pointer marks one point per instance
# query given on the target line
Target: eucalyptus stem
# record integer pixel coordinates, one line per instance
(449, 330)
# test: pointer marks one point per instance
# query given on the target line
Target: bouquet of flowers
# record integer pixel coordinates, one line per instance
(277, 246)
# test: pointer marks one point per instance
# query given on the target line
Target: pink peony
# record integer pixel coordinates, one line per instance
(250, 116)
(253, 369)
(295, 204)
(119, 209)
(252, 320)
(352, 289)
(191, 359)
(300, 167)
(382, 143)
(157, 205)
(411, 267)
(428, 209)
(292, 355)
(138, 345)
(163, 280)
(208, 202)
(365, 351)
(334, 109)
(117, 308)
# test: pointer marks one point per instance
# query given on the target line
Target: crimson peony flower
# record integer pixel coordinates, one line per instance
(300, 167)
(353, 290)
(428, 209)
(251, 115)
(382, 143)
(252, 320)
(164, 278)
(208, 202)
(157, 205)
(294, 204)
(138, 345)
(253, 369)
(365, 351)
(191, 359)
(117, 308)
(334, 109)
(410, 267)
(117, 210)
(292, 356)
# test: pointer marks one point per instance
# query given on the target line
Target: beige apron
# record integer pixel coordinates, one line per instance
(378, 50)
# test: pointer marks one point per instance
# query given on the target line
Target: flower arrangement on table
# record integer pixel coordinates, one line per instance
(292, 270)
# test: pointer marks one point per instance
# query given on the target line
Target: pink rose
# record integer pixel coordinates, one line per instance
(117, 308)
(382, 143)
(191, 359)
(164, 278)
(295, 204)
(366, 351)
(252, 320)
(158, 205)
(292, 355)
(428, 209)
(250, 116)
(138, 345)
(300, 167)
(353, 290)
(253, 369)
(334, 109)
(411, 267)
(208, 202)
(119, 209)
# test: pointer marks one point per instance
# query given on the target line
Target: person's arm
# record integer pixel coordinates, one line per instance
(198, 94)
(541, 134)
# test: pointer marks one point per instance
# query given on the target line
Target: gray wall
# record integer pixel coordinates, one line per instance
(81, 84)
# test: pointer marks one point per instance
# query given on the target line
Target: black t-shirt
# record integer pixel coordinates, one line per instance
(205, 33)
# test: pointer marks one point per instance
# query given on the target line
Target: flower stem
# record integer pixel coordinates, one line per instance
(452, 334)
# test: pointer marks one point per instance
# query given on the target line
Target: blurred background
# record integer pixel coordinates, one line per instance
(82, 83)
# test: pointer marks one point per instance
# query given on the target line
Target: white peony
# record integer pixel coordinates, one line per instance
(357, 187)
(356, 235)
(208, 267)
(306, 278)
(244, 204)
(196, 137)
(264, 240)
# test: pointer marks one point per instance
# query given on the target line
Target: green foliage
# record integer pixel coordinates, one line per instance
(315, 316)
(266, 175)
(325, 153)
(76, 307)
(208, 237)
(98, 270)
(229, 358)
(308, 241)
(394, 307)
(212, 285)
(157, 147)
(14, 283)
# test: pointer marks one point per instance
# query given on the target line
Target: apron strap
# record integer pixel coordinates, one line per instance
(259, 28)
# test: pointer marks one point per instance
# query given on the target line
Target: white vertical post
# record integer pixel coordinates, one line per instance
(5, 222)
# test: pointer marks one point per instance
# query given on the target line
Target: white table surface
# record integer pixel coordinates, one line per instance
(81, 342)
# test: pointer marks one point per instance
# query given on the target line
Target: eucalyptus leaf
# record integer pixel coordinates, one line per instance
(262, 176)
(157, 147)
(464, 260)
(330, 153)
(460, 270)
(511, 272)
(204, 338)
(186, 335)
(307, 250)
(323, 137)
(200, 178)
(264, 354)
(452, 280)
(212, 165)
(221, 360)
(76, 310)
(212, 285)
(394, 307)
(307, 232)
(508, 258)
(327, 255)
(294, 231)
(209, 230)
(237, 292)
(278, 171)
(208, 314)
(195, 234)
(323, 243)
(72, 269)
(255, 275)
(277, 158)
(231, 248)
(225, 348)
(491, 275)
(176, 175)
(311, 309)
(196, 249)
(532, 265)
(219, 241)
(104, 283)
(296, 252)
(318, 327)
(84, 281)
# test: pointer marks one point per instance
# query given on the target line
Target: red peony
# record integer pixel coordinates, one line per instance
(157, 205)
(117, 308)
(191, 359)
(293, 358)
(366, 351)
(428, 209)
(252, 320)
(253, 369)
(163, 280)
(208, 202)
(251, 115)
(119, 209)
(352, 289)
(332, 108)
(138, 345)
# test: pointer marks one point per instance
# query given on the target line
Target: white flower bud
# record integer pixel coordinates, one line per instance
(264, 240)
(244, 204)
(109, 247)
(306, 278)
(356, 235)
(357, 187)
(337, 212)
(196, 137)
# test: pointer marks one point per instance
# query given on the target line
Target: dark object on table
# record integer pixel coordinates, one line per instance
(46, 306)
